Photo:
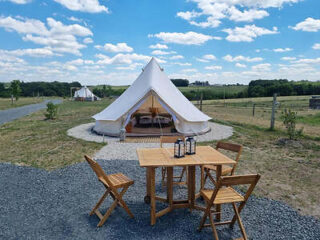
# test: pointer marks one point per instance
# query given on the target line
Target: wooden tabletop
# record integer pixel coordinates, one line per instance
(163, 157)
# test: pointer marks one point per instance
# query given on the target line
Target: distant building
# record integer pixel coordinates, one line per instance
(314, 102)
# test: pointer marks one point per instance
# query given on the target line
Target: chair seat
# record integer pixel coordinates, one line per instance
(224, 195)
(225, 169)
(119, 180)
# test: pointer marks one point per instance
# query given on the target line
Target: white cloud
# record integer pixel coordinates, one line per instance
(239, 58)
(247, 15)
(91, 6)
(189, 70)
(282, 50)
(216, 10)
(182, 64)
(188, 38)
(158, 46)
(160, 52)
(58, 37)
(206, 58)
(247, 33)
(123, 59)
(316, 46)
(188, 15)
(33, 52)
(308, 25)
(175, 57)
(288, 58)
(309, 60)
(213, 67)
(119, 47)
(20, 1)
(240, 65)
(87, 40)
(262, 67)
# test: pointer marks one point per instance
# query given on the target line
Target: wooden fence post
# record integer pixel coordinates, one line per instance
(201, 96)
(274, 103)
(253, 109)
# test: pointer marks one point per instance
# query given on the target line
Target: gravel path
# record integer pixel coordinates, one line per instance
(15, 113)
(218, 131)
(36, 204)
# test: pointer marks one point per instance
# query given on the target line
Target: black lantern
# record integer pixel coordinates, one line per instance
(190, 146)
(179, 149)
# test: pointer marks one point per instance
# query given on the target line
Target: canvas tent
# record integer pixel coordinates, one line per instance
(84, 94)
(153, 93)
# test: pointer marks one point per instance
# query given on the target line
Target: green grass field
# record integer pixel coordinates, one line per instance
(5, 103)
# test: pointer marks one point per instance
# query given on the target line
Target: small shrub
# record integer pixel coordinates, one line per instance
(289, 120)
(52, 111)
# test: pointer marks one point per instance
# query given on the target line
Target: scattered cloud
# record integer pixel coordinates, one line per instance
(288, 58)
(58, 36)
(158, 46)
(160, 52)
(263, 67)
(213, 67)
(309, 60)
(308, 25)
(188, 38)
(316, 46)
(206, 58)
(175, 57)
(280, 50)
(240, 65)
(114, 48)
(87, 40)
(91, 6)
(247, 33)
(239, 58)
(188, 70)
(20, 1)
(122, 59)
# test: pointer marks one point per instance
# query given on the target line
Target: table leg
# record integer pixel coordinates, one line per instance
(202, 178)
(170, 186)
(191, 186)
(218, 209)
(148, 192)
(152, 195)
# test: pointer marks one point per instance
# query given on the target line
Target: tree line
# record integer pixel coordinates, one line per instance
(33, 89)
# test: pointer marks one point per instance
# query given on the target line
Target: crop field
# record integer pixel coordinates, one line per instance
(5, 103)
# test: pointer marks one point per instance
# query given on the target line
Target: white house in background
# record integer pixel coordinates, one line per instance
(151, 106)
(84, 94)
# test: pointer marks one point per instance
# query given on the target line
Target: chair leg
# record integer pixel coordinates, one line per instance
(239, 221)
(163, 173)
(107, 214)
(124, 205)
(100, 201)
(203, 220)
(213, 226)
(182, 174)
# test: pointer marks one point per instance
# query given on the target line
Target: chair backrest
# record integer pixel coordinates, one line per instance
(170, 139)
(98, 170)
(233, 148)
(228, 181)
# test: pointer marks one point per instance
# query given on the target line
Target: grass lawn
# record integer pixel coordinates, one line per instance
(5, 103)
(290, 172)
(33, 141)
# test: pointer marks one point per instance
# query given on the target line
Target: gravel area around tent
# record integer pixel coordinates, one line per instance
(15, 113)
(83, 131)
(36, 204)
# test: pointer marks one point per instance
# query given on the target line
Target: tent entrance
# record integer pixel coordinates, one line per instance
(151, 119)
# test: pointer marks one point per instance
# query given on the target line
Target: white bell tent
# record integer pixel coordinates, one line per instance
(149, 106)
(84, 94)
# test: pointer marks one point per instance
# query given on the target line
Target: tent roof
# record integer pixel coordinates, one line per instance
(83, 92)
(154, 79)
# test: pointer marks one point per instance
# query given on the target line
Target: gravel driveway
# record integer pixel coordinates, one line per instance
(36, 204)
(15, 113)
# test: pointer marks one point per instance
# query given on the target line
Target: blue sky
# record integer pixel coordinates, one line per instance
(108, 42)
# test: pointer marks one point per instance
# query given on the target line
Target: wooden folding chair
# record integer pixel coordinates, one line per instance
(112, 183)
(172, 139)
(223, 194)
(226, 170)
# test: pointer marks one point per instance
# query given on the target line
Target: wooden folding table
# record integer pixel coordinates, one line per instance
(151, 158)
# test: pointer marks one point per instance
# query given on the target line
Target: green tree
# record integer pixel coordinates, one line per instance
(52, 111)
(15, 89)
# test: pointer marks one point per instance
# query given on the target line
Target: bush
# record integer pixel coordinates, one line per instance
(289, 120)
(52, 111)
